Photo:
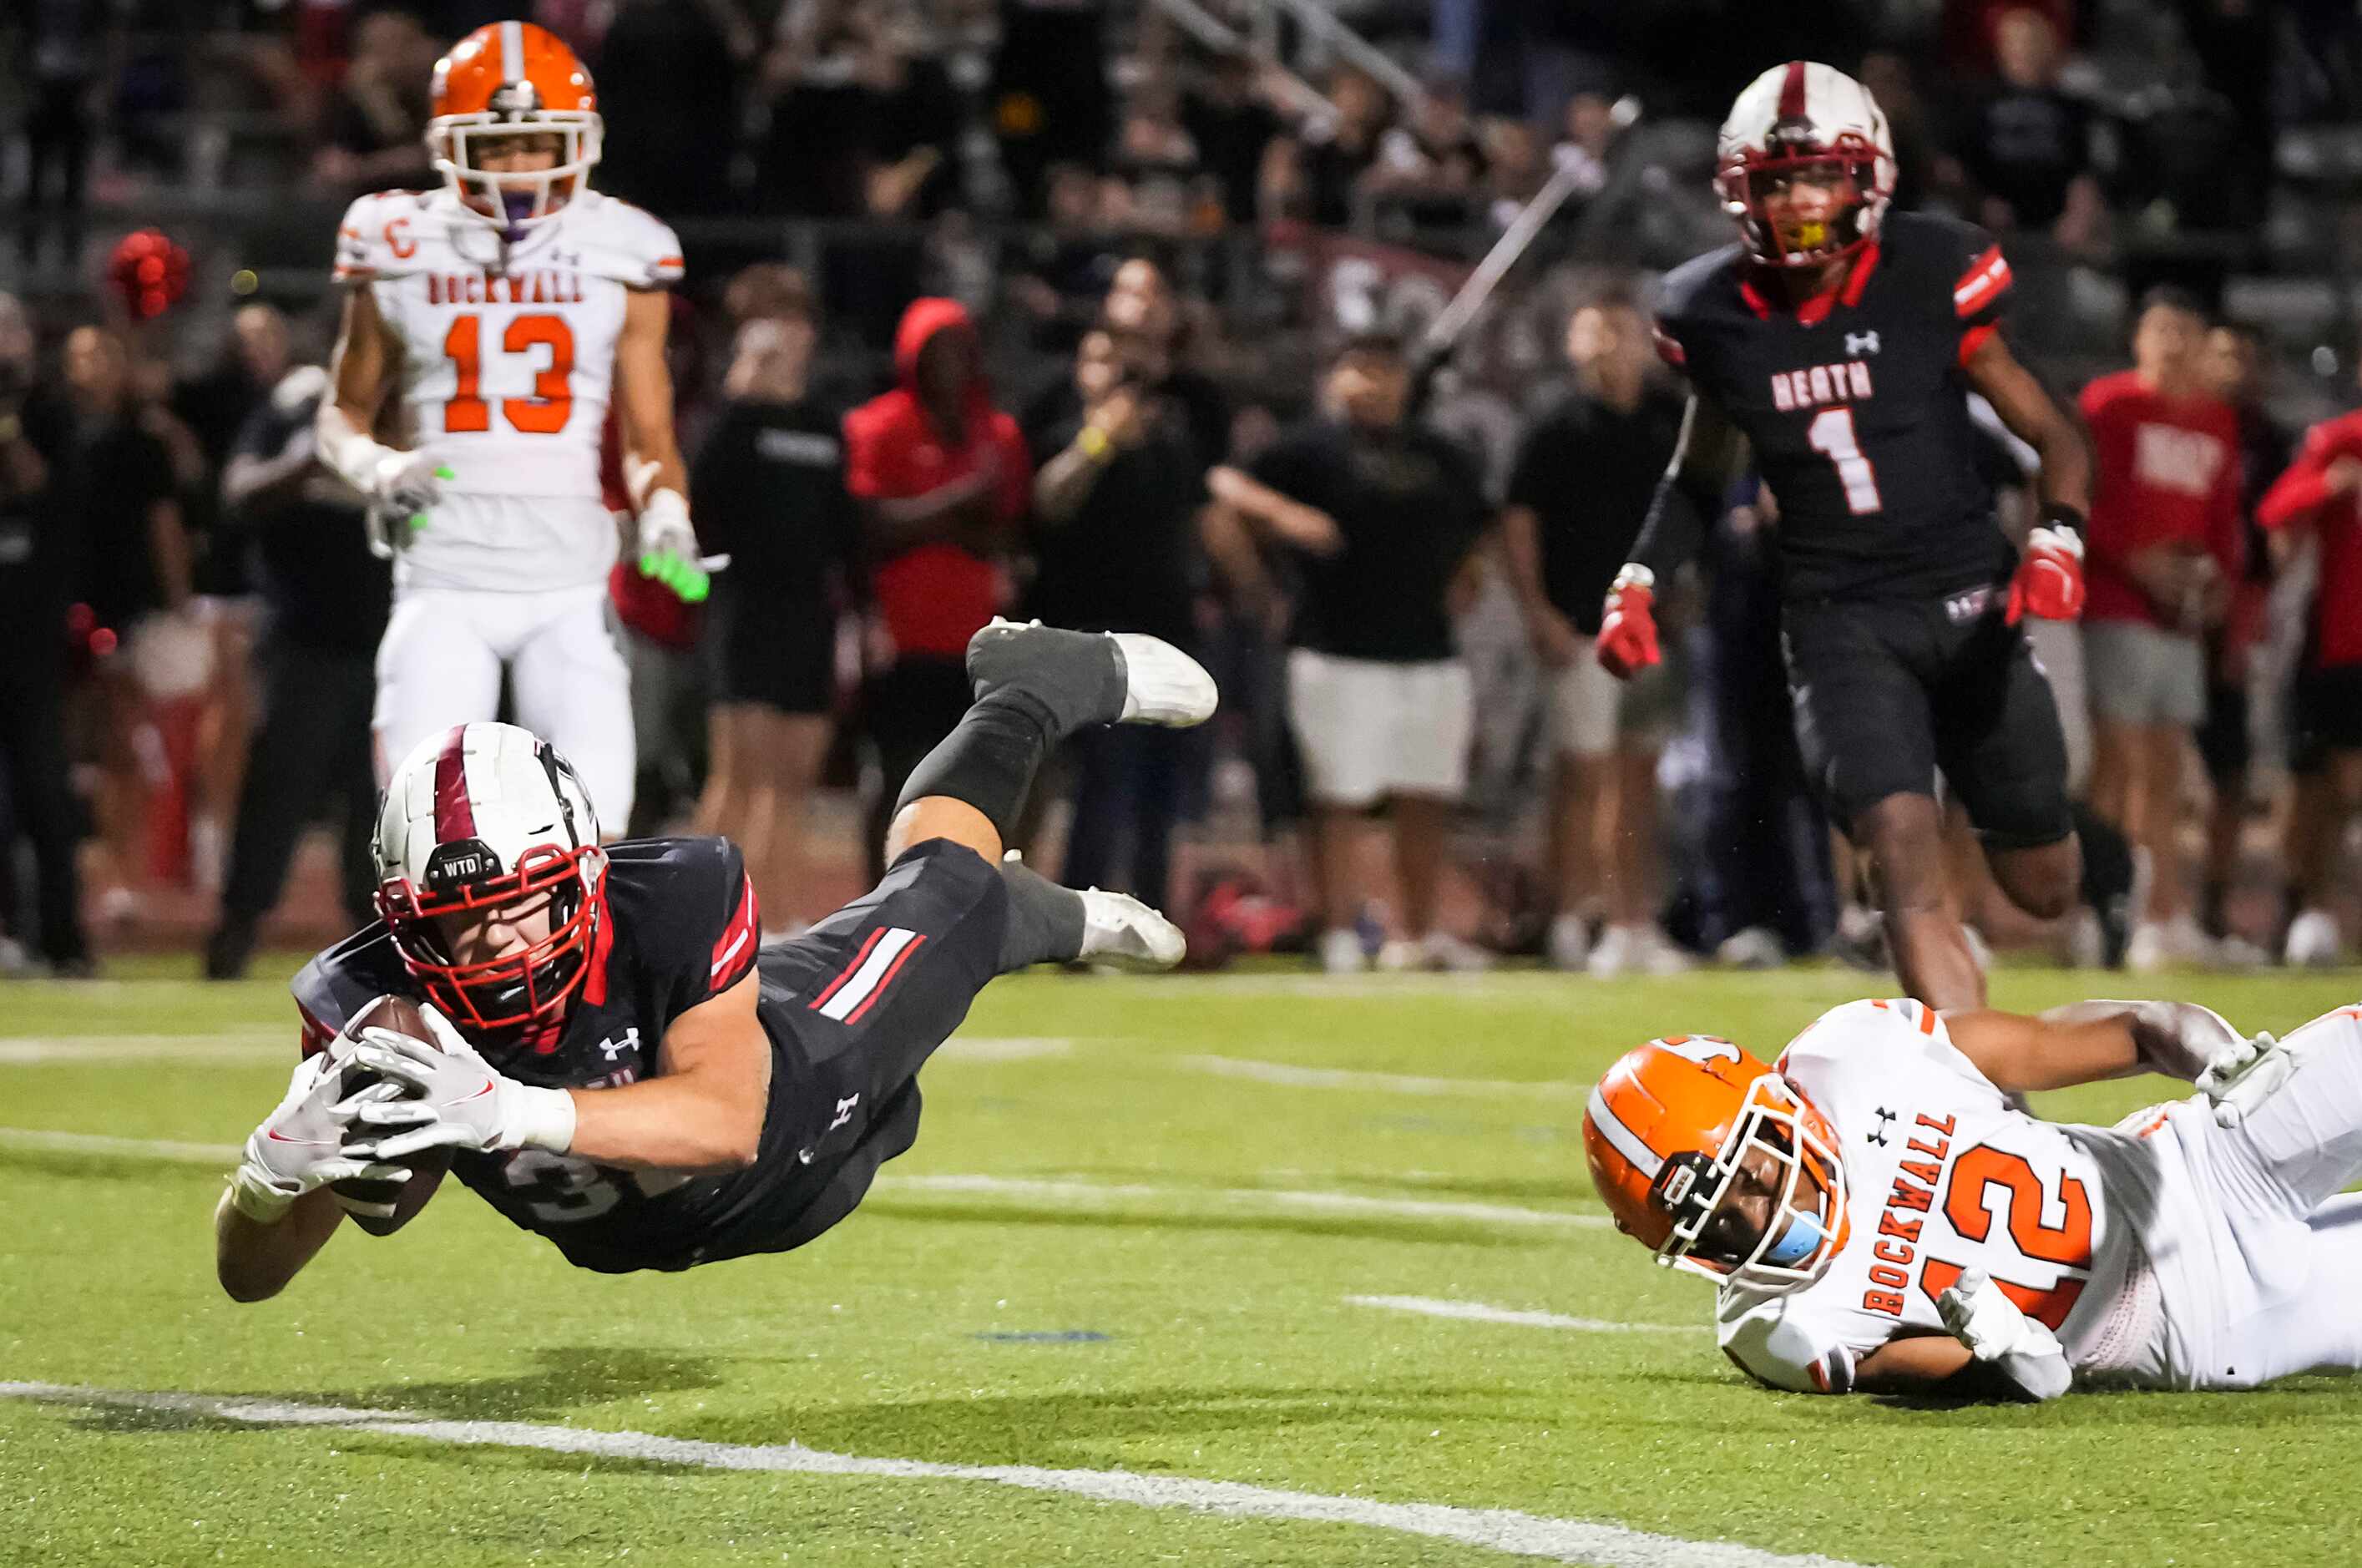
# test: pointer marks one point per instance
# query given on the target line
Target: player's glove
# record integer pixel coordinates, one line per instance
(1628, 630)
(2050, 580)
(456, 1100)
(669, 549)
(1981, 1315)
(300, 1145)
(402, 485)
(2240, 1077)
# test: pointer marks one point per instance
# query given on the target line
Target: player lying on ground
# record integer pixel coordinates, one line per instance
(615, 1065)
(1878, 1216)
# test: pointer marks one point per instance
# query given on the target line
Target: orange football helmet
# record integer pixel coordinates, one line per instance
(1668, 1133)
(510, 78)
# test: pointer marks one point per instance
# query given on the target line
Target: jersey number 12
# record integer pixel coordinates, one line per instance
(552, 402)
(1831, 434)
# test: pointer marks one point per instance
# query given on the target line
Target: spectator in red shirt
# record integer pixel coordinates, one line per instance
(942, 476)
(2164, 547)
(2318, 496)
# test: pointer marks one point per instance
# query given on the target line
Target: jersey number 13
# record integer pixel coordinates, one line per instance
(552, 402)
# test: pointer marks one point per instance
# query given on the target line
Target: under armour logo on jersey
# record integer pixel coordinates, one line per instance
(612, 1048)
(1858, 343)
(1878, 1134)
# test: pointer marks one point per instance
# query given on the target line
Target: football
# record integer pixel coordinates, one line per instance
(401, 1015)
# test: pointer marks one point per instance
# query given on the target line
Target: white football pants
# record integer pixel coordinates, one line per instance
(440, 664)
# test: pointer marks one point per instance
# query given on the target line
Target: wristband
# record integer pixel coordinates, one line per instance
(544, 1119)
(254, 1196)
(1633, 575)
(1094, 442)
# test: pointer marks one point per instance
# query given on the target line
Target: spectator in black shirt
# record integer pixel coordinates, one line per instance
(2027, 144)
(326, 597)
(1583, 477)
(34, 783)
(373, 133)
(1117, 489)
(1233, 127)
(1380, 516)
(131, 567)
(769, 482)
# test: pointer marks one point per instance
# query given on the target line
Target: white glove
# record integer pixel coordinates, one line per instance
(461, 1101)
(1981, 1315)
(668, 548)
(2240, 1076)
(407, 483)
(299, 1146)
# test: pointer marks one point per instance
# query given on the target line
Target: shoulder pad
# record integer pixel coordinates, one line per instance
(378, 236)
(625, 243)
(1957, 256)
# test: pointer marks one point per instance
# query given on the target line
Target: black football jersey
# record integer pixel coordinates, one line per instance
(1855, 404)
(681, 927)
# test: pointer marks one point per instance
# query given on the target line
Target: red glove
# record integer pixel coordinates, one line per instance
(2050, 580)
(1628, 630)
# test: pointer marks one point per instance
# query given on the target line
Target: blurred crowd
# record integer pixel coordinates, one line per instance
(1395, 574)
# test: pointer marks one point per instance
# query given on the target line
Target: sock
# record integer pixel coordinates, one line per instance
(1046, 921)
(2107, 859)
(2210, 910)
(1035, 686)
(988, 759)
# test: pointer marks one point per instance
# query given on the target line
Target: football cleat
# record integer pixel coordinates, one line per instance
(1092, 677)
(1124, 933)
(1162, 684)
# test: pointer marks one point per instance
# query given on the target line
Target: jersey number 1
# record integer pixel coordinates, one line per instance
(552, 402)
(1831, 434)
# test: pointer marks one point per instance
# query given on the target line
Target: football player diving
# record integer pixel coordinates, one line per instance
(617, 1064)
(1880, 1215)
(1836, 344)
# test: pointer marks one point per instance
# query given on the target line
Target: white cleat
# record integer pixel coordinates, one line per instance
(1124, 933)
(1162, 684)
(2313, 941)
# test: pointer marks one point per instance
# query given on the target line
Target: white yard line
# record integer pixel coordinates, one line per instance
(1382, 1082)
(1477, 1312)
(242, 1046)
(1048, 1191)
(245, 1047)
(163, 1149)
(1058, 1193)
(1502, 1530)
(1001, 1048)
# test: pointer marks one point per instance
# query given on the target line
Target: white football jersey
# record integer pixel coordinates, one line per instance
(507, 362)
(1943, 1175)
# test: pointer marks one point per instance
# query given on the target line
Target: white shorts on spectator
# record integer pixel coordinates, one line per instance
(2140, 674)
(1369, 729)
(1589, 712)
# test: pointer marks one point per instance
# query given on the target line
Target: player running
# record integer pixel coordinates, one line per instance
(617, 1065)
(1839, 342)
(1880, 1216)
(504, 313)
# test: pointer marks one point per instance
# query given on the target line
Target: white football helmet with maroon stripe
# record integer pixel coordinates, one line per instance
(1796, 118)
(487, 817)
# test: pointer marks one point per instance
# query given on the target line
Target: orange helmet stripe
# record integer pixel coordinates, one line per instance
(1622, 1138)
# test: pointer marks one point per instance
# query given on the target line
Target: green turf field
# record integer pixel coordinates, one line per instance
(1124, 1252)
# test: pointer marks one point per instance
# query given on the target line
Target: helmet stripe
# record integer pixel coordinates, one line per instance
(1791, 91)
(454, 818)
(1625, 1142)
(512, 51)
